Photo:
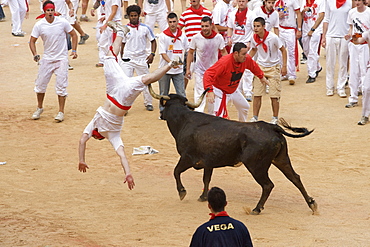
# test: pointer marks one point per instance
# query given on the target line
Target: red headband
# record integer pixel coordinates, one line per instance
(49, 6)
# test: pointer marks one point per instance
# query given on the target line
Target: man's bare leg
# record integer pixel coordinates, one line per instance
(275, 107)
(62, 102)
(257, 101)
(40, 99)
(116, 46)
(158, 73)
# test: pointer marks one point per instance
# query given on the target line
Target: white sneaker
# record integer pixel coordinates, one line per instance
(118, 27)
(37, 113)
(329, 92)
(59, 117)
(249, 98)
(291, 81)
(364, 120)
(342, 93)
(253, 120)
(274, 120)
(176, 61)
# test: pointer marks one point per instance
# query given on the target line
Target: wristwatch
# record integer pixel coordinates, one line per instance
(313, 29)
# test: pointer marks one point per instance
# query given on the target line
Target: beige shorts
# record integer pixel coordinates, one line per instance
(273, 76)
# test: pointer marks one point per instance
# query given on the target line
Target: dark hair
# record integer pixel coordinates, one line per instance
(217, 199)
(172, 15)
(206, 18)
(238, 46)
(46, 2)
(260, 20)
(133, 8)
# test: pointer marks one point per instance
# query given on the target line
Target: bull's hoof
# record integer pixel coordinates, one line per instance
(256, 211)
(182, 194)
(313, 205)
(202, 199)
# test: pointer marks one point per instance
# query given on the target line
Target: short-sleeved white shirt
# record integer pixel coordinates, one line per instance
(220, 13)
(154, 6)
(272, 20)
(53, 36)
(360, 21)
(271, 57)
(136, 41)
(337, 18)
(108, 9)
(244, 32)
(288, 7)
(172, 49)
(310, 17)
(207, 51)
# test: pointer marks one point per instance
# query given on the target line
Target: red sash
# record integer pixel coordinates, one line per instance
(115, 102)
(223, 107)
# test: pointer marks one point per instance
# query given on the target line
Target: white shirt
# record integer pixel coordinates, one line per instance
(272, 20)
(136, 41)
(207, 51)
(53, 36)
(288, 7)
(244, 32)
(155, 6)
(310, 17)
(220, 13)
(360, 21)
(172, 49)
(108, 9)
(337, 18)
(271, 57)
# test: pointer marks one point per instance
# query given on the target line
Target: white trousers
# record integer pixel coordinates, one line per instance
(366, 95)
(105, 41)
(18, 9)
(160, 18)
(359, 55)
(336, 47)
(311, 46)
(246, 83)
(141, 68)
(240, 103)
(198, 90)
(287, 36)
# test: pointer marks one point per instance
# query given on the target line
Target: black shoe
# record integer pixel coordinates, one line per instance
(149, 108)
(310, 79)
(318, 72)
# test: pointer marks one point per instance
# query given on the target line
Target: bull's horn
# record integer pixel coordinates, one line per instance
(156, 96)
(195, 105)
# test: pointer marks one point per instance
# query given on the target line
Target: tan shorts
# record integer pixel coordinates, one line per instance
(273, 76)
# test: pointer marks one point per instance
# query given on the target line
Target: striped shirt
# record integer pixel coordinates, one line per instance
(192, 22)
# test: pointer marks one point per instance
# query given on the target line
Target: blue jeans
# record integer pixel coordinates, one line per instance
(164, 85)
(2, 15)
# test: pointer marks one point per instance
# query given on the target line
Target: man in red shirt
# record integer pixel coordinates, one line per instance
(223, 80)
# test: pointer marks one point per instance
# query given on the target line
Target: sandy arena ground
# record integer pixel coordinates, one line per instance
(46, 201)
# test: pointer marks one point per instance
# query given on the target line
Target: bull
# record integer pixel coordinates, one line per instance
(207, 142)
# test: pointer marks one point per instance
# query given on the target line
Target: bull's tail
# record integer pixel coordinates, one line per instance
(286, 125)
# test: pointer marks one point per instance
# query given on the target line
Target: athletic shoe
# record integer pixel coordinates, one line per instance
(99, 65)
(249, 98)
(176, 61)
(125, 16)
(284, 78)
(291, 81)
(351, 104)
(274, 120)
(253, 120)
(118, 27)
(149, 108)
(329, 92)
(342, 93)
(59, 117)
(70, 67)
(18, 34)
(83, 39)
(303, 60)
(310, 79)
(37, 113)
(364, 120)
(84, 18)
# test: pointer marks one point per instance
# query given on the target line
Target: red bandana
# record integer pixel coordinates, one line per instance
(265, 11)
(241, 16)
(223, 213)
(134, 26)
(170, 34)
(47, 6)
(340, 3)
(197, 11)
(213, 34)
(259, 41)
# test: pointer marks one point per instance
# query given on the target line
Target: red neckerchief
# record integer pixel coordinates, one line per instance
(43, 15)
(197, 11)
(223, 107)
(265, 11)
(134, 26)
(309, 4)
(170, 34)
(223, 213)
(241, 16)
(259, 41)
(213, 34)
(340, 3)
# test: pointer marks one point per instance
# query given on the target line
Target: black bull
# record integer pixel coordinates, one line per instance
(206, 142)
